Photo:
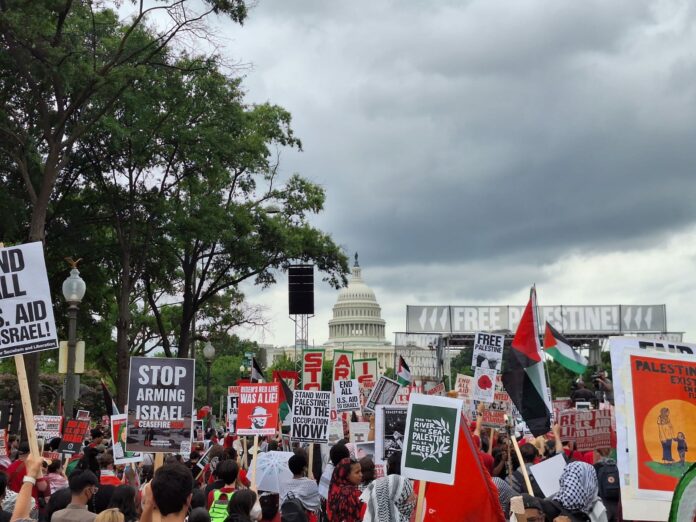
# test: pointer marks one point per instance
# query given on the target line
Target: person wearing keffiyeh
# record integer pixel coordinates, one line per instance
(389, 499)
(577, 497)
(344, 496)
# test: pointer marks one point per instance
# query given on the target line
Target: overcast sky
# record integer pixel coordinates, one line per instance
(470, 149)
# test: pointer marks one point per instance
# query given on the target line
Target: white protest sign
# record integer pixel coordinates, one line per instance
(26, 312)
(232, 408)
(390, 428)
(548, 472)
(488, 351)
(484, 385)
(383, 393)
(347, 393)
(311, 412)
(359, 432)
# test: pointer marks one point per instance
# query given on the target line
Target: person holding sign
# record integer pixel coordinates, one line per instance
(344, 496)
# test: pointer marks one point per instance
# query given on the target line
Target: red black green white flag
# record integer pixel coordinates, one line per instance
(403, 374)
(562, 352)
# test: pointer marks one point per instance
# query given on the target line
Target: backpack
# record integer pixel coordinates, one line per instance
(292, 510)
(218, 509)
(608, 481)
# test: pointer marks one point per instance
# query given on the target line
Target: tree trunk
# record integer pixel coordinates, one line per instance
(122, 330)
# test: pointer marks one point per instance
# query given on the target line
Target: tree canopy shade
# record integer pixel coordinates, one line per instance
(145, 161)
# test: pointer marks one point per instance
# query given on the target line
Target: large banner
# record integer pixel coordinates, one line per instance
(365, 371)
(312, 365)
(606, 319)
(311, 413)
(342, 365)
(258, 409)
(160, 405)
(119, 436)
(26, 312)
(432, 435)
(655, 397)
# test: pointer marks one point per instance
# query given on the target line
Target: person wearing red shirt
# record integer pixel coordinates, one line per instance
(18, 470)
(227, 471)
(107, 475)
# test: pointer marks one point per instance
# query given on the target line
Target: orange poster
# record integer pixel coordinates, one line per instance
(664, 403)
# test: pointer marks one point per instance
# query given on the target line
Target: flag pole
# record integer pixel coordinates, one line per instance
(523, 468)
(542, 355)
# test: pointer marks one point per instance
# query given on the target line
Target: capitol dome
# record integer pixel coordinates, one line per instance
(357, 317)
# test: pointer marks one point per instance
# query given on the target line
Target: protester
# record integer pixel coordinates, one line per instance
(106, 468)
(344, 503)
(199, 514)
(101, 500)
(533, 510)
(110, 515)
(389, 499)
(59, 500)
(241, 506)
(83, 486)
(17, 471)
(368, 472)
(4, 516)
(25, 501)
(123, 499)
(505, 493)
(97, 436)
(55, 477)
(577, 497)
(529, 455)
(169, 493)
(270, 507)
(219, 499)
(300, 486)
(608, 483)
(89, 462)
(337, 453)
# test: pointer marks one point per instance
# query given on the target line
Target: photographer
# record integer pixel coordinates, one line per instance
(604, 389)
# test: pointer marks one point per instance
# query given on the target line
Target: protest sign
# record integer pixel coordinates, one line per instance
(488, 351)
(74, 433)
(494, 414)
(232, 408)
(484, 385)
(432, 436)
(82, 415)
(464, 385)
(48, 426)
(26, 309)
(119, 436)
(347, 393)
(365, 371)
(383, 393)
(342, 365)
(312, 363)
(402, 395)
(566, 423)
(548, 473)
(205, 459)
(3, 443)
(359, 432)
(258, 409)
(311, 412)
(198, 430)
(390, 428)
(560, 404)
(438, 389)
(160, 404)
(592, 429)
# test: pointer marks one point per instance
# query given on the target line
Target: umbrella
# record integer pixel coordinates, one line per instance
(272, 470)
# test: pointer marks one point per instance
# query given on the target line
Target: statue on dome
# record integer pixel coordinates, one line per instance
(356, 260)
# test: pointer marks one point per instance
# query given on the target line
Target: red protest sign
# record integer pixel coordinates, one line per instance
(74, 433)
(566, 423)
(592, 429)
(343, 365)
(366, 372)
(312, 362)
(258, 409)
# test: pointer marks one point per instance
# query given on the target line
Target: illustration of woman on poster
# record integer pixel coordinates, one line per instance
(664, 426)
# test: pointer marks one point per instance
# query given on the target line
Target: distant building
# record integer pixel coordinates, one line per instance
(356, 325)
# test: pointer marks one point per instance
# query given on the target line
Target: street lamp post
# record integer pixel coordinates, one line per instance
(208, 355)
(74, 289)
(242, 370)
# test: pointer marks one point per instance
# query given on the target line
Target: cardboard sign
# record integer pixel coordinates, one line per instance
(365, 371)
(258, 409)
(311, 412)
(119, 436)
(464, 386)
(82, 415)
(390, 429)
(592, 429)
(383, 393)
(232, 408)
(347, 393)
(359, 432)
(494, 414)
(74, 434)
(26, 309)
(488, 351)
(205, 459)
(432, 436)
(312, 365)
(548, 473)
(160, 405)
(343, 365)
(48, 426)
(566, 423)
(484, 385)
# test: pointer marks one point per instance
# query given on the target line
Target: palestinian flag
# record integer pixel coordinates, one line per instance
(524, 378)
(403, 374)
(111, 408)
(560, 350)
(684, 499)
(256, 372)
(286, 400)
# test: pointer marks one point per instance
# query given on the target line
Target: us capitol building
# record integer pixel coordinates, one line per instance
(357, 326)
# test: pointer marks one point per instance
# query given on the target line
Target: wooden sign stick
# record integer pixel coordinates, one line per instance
(245, 453)
(159, 460)
(26, 405)
(523, 468)
(254, 451)
(310, 472)
(419, 502)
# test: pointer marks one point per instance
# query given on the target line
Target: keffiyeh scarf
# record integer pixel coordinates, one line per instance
(344, 497)
(578, 487)
(388, 499)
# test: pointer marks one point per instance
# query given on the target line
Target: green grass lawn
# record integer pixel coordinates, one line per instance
(675, 470)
